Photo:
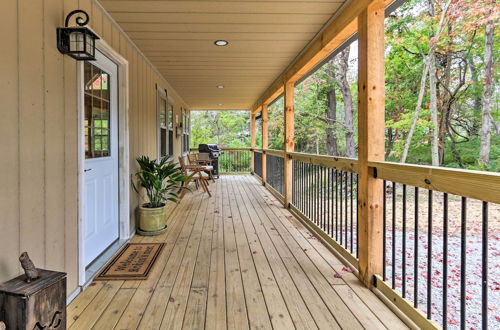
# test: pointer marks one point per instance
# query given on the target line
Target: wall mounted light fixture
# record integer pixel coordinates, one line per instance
(77, 41)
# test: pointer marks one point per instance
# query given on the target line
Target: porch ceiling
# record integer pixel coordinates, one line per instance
(264, 37)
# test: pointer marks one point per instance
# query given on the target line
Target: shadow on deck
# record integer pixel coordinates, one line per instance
(237, 260)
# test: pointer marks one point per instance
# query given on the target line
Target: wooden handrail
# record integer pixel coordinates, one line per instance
(237, 149)
(341, 163)
(229, 149)
(483, 186)
(274, 152)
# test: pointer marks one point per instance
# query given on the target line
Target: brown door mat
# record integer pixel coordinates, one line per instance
(133, 262)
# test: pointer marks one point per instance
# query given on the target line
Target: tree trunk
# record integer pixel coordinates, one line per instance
(345, 89)
(475, 79)
(390, 142)
(414, 121)
(422, 81)
(484, 153)
(433, 108)
(331, 118)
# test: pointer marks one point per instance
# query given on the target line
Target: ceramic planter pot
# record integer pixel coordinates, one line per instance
(152, 221)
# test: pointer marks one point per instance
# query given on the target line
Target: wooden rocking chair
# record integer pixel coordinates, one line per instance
(194, 173)
(206, 164)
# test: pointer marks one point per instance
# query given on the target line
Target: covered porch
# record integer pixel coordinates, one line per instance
(237, 260)
(289, 239)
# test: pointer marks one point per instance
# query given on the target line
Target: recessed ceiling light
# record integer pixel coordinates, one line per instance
(220, 104)
(220, 86)
(221, 42)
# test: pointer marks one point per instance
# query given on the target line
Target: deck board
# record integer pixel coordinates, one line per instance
(234, 261)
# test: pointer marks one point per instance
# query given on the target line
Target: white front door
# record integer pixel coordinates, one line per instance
(100, 129)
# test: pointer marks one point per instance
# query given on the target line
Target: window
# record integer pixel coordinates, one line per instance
(165, 143)
(185, 130)
(97, 112)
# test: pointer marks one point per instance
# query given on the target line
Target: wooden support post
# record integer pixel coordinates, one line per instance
(289, 140)
(265, 142)
(252, 140)
(370, 138)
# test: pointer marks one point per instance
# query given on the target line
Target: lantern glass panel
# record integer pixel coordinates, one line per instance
(89, 45)
(76, 41)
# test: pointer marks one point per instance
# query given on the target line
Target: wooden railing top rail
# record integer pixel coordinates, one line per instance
(274, 152)
(237, 149)
(484, 186)
(229, 149)
(341, 163)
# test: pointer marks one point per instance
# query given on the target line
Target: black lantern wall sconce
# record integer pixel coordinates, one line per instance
(78, 41)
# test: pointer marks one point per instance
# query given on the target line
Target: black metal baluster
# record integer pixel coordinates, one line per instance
(315, 193)
(322, 198)
(302, 176)
(323, 191)
(327, 227)
(345, 209)
(463, 263)
(309, 191)
(393, 266)
(341, 205)
(299, 184)
(318, 194)
(403, 241)
(352, 215)
(384, 232)
(429, 256)
(357, 216)
(484, 284)
(330, 217)
(445, 260)
(415, 259)
(294, 176)
(336, 206)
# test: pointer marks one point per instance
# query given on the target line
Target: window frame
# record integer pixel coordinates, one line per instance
(162, 95)
(186, 130)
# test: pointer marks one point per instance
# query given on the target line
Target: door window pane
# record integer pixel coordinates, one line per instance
(97, 112)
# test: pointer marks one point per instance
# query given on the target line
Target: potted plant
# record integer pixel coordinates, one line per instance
(160, 179)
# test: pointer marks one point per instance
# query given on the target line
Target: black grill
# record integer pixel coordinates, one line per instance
(214, 152)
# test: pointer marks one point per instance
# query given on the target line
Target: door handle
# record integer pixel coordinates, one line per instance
(87, 169)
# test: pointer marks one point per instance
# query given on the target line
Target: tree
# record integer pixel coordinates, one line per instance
(342, 64)
(484, 152)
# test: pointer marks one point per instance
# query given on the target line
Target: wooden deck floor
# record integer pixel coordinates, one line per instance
(237, 260)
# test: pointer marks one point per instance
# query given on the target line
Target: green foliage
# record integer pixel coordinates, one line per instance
(276, 124)
(230, 129)
(160, 179)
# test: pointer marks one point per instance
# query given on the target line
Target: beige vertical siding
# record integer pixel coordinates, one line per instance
(38, 131)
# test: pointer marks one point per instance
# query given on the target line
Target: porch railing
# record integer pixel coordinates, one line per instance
(275, 170)
(233, 160)
(257, 163)
(440, 231)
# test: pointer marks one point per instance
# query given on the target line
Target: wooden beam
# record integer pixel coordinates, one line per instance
(289, 138)
(265, 141)
(252, 138)
(370, 138)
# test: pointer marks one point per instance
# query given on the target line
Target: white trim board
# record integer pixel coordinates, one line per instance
(123, 151)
